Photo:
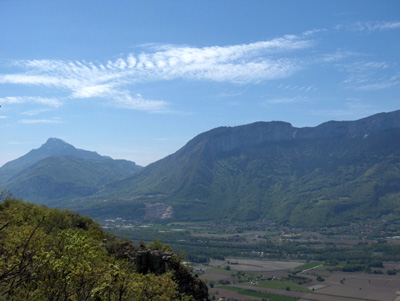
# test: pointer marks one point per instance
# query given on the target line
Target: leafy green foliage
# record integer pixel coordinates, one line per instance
(47, 254)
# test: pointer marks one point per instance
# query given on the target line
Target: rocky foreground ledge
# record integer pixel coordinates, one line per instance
(160, 261)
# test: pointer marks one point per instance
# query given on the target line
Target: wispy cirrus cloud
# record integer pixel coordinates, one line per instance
(297, 88)
(34, 112)
(338, 55)
(52, 102)
(285, 100)
(244, 63)
(231, 93)
(38, 121)
(353, 108)
(137, 102)
(370, 75)
(370, 26)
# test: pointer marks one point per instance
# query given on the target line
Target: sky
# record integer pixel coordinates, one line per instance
(137, 80)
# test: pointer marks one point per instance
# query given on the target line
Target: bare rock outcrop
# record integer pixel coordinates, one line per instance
(159, 262)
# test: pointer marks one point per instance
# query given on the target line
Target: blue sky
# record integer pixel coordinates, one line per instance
(137, 80)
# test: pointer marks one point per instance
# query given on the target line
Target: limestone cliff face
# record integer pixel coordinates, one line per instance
(225, 139)
(160, 262)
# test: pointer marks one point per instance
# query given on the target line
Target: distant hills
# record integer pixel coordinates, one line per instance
(336, 173)
(58, 170)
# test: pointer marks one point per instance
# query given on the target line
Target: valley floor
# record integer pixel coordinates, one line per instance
(256, 262)
(270, 279)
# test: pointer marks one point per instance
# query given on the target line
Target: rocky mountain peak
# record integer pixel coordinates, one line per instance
(55, 141)
(53, 147)
(56, 145)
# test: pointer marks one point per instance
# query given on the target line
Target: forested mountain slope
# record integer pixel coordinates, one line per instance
(335, 173)
(57, 170)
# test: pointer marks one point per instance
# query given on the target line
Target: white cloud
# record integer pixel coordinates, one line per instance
(369, 75)
(282, 100)
(354, 109)
(387, 25)
(231, 93)
(337, 56)
(302, 88)
(285, 100)
(38, 121)
(126, 101)
(30, 79)
(52, 102)
(244, 63)
(379, 26)
(92, 91)
(378, 86)
(34, 112)
(370, 26)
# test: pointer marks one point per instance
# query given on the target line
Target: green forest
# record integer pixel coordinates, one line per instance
(48, 254)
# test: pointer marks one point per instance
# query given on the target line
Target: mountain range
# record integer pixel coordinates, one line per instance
(336, 173)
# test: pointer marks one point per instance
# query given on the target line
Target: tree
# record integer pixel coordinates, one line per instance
(47, 254)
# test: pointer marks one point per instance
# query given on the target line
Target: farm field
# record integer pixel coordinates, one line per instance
(261, 279)
(256, 262)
